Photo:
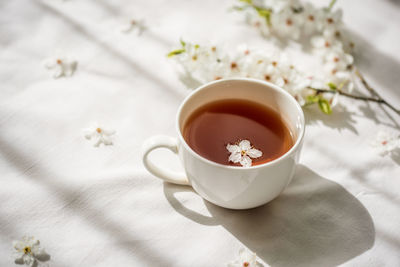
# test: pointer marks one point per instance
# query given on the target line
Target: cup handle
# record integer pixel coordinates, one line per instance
(162, 141)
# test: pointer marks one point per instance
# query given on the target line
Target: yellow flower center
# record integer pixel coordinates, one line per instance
(243, 152)
(98, 130)
(27, 250)
(246, 264)
(59, 61)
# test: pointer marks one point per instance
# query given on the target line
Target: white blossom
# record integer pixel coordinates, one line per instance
(205, 63)
(133, 24)
(338, 60)
(61, 65)
(331, 19)
(27, 251)
(99, 134)
(304, 22)
(325, 43)
(259, 23)
(242, 153)
(287, 24)
(386, 142)
(246, 259)
(311, 19)
(279, 5)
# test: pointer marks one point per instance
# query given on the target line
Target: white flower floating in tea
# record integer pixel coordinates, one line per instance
(134, 24)
(242, 153)
(28, 251)
(385, 142)
(246, 259)
(99, 134)
(61, 66)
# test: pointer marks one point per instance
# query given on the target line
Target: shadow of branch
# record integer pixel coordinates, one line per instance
(340, 118)
(77, 202)
(106, 47)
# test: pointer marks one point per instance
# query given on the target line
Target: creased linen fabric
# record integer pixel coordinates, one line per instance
(98, 206)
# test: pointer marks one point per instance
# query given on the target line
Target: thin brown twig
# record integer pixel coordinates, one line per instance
(318, 90)
(375, 93)
(366, 85)
(377, 99)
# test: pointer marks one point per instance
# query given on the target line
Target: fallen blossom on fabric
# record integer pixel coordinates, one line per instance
(386, 142)
(61, 66)
(99, 134)
(246, 259)
(134, 25)
(27, 251)
(243, 153)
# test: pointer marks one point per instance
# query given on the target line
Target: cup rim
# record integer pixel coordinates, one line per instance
(252, 80)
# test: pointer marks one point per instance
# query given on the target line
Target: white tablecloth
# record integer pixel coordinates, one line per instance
(99, 207)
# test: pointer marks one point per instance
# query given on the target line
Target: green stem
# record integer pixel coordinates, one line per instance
(331, 4)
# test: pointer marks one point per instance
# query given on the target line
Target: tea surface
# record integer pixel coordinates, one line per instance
(211, 127)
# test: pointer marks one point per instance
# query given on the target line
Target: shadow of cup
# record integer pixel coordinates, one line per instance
(314, 222)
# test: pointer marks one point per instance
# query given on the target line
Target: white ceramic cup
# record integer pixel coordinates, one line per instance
(231, 186)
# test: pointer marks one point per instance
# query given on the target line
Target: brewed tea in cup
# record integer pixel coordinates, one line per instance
(214, 126)
(238, 140)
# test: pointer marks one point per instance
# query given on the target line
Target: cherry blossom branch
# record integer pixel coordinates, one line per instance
(366, 85)
(318, 91)
(379, 99)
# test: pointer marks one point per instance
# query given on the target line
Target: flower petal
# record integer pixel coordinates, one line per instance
(126, 28)
(38, 251)
(246, 161)
(88, 136)
(318, 41)
(28, 259)
(99, 141)
(58, 72)
(242, 253)
(49, 63)
(235, 157)
(244, 145)
(254, 153)
(18, 245)
(106, 141)
(349, 58)
(108, 132)
(18, 255)
(33, 242)
(247, 256)
(233, 148)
